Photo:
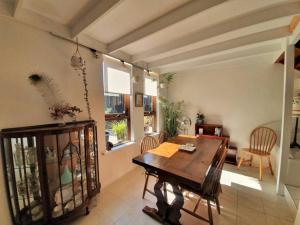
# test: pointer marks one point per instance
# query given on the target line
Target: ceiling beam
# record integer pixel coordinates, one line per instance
(187, 10)
(295, 35)
(225, 57)
(294, 23)
(249, 19)
(17, 7)
(222, 46)
(97, 11)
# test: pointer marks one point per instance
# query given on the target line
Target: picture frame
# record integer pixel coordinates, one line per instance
(139, 99)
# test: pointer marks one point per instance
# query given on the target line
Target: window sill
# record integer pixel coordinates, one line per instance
(119, 147)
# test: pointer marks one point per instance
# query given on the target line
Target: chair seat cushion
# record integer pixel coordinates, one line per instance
(255, 152)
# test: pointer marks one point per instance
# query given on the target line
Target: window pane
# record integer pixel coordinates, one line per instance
(148, 106)
(149, 124)
(114, 103)
(116, 132)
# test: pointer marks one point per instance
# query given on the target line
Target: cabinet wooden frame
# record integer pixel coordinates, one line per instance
(39, 133)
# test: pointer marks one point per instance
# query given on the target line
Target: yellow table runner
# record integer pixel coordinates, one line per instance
(166, 149)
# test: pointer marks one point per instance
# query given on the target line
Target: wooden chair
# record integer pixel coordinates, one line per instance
(162, 137)
(262, 141)
(148, 143)
(211, 187)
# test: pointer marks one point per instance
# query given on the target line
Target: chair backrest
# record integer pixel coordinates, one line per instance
(211, 184)
(162, 137)
(148, 143)
(262, 139)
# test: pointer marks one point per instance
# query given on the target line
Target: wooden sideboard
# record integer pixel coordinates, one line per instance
(210, 129)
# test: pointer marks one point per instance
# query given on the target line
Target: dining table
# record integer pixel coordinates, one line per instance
(181, 169)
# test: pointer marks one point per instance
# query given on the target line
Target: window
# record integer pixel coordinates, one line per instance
(117, 102)
(150, 118)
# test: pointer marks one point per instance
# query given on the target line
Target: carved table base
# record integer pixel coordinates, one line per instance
(165, 213)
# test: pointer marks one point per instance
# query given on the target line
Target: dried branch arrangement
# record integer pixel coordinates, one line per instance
(51, 94)
(78, 63)
(58, 111)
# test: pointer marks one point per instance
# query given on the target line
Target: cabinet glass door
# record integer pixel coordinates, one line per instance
(92, 151)
(23, 174)
(66, 171)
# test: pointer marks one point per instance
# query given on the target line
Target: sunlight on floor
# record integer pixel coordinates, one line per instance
(243, 199)
(228, 178)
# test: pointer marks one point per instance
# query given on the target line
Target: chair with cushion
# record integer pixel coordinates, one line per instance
(262, 141)
(147, 144)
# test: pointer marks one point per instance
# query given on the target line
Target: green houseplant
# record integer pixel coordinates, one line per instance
(171, 112)
(165, 79)
(200, 118)
(119, 129)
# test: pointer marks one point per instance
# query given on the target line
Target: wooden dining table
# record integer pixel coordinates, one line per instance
(180, 169)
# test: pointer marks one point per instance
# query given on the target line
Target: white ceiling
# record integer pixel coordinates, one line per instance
(128, 16)
(161, 33)
(61, 11)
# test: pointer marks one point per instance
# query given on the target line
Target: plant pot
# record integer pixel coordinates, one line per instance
(200, 121)
(163, 85)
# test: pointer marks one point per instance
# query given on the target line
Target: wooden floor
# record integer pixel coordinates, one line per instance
(245, 201)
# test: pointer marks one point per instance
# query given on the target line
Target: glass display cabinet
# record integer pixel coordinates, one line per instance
(51, 171)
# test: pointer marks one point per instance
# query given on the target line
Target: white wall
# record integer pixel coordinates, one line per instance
(239, 94)
(25, 50)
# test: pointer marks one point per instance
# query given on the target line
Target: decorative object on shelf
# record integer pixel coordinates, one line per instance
(57, 172)
(50, 154)
(218, 131)
(37, 212)
(139, 97)
(165, 79)
(171, 112)
(185, 124)
(30, 155)
(21, 188)
(78, 63)
(66, 177)
(18, 155)
(200, 118)
(209, 129)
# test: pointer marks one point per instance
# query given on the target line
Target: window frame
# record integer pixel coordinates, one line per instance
(122, 116)
(112, 63)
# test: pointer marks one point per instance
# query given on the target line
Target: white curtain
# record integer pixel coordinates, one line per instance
(116, 76)
(150, 86)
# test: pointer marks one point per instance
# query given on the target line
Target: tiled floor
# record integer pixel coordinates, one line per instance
(295, 194)
(244, 201)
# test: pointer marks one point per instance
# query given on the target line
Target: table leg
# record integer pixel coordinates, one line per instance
(165, 213)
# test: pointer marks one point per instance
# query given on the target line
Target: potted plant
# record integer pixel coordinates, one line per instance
(165, 79)
(171, 113)
(200, 118)
(119, 129)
